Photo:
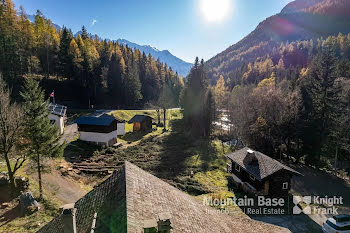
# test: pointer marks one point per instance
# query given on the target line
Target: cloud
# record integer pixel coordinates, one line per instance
(94, 21)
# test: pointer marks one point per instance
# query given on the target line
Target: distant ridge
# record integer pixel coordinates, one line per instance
(178, 65)
(298, 20)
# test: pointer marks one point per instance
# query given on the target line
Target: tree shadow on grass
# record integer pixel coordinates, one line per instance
(175, 151)
(134, 136)
(207, 153)
(10, 215)
(79, 149)
(178, 146)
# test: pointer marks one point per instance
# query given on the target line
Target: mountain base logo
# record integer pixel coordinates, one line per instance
(316, 204)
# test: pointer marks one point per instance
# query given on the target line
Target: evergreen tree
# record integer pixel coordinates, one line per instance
(84, 34)
(76, 58)
(132, 85)
(114, 80)
(323, 106)
(195, 99)
(42, 136)
(64, 58)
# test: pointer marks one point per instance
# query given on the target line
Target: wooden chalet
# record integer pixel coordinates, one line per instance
(257, 173)
(99, 128)
(141, 123)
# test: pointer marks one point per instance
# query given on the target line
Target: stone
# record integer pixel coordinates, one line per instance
(28, 204)
(5, 205)
(64, 171)
(3, 180)
(22, 183)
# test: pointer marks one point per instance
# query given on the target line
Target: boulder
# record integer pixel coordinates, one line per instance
(22, 183)
(28, 203)
(3, 179)
(4, 205)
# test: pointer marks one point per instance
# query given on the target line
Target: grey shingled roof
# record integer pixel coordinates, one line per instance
(131, 196)
(264, 167)
(139, 118)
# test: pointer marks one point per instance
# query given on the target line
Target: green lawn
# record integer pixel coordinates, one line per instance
(128, 114)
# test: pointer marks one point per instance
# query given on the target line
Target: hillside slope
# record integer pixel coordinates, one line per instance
(299, 20)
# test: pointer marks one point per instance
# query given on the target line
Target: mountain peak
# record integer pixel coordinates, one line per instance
(298, 5)
(299, 20)
(165, 56)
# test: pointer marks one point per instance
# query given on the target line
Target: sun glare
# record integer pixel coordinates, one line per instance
(215, 10)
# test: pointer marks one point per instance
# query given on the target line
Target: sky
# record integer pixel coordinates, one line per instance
(187, 28)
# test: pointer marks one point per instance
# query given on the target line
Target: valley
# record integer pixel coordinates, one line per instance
(107, 135)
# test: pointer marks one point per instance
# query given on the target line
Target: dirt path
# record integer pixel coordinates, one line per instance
(320, 183)
(70, 132)
(313, 183)
(65, 189)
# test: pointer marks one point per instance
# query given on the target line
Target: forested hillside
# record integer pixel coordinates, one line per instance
(82, 70)
(294, 101)
(299, 20)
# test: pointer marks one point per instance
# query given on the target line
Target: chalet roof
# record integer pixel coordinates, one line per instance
(99, 119)
(139, 118)
(131, 197)
(258, 164)
(57, 109)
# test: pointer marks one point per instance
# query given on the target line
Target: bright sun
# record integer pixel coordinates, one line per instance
(215, 10)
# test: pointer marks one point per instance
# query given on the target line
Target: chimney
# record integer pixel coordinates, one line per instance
(150, 226)
(164, 224)
(250, 151)
(250, 158)
(68, 218)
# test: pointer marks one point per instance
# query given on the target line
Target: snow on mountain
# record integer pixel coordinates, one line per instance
(178, 65)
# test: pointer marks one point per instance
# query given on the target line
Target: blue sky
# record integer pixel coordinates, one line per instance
(176, 25)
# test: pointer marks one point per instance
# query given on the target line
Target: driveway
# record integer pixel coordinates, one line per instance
(70, 133)
(313, 183)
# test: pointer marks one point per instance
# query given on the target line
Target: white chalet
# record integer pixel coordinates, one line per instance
(100, 128)
(57, 115)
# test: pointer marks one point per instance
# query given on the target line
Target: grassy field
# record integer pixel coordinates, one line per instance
(132, 138)
(174, 155)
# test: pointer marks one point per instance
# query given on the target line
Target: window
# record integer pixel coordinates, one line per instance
(237, 167)
(251, 177)
(285, 185)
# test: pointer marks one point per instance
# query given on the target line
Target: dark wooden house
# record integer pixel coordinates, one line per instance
(257, 173)
(98, 128)
(141, 123)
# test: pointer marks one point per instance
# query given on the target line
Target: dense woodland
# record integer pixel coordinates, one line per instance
(83, 70)
(295, 101)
